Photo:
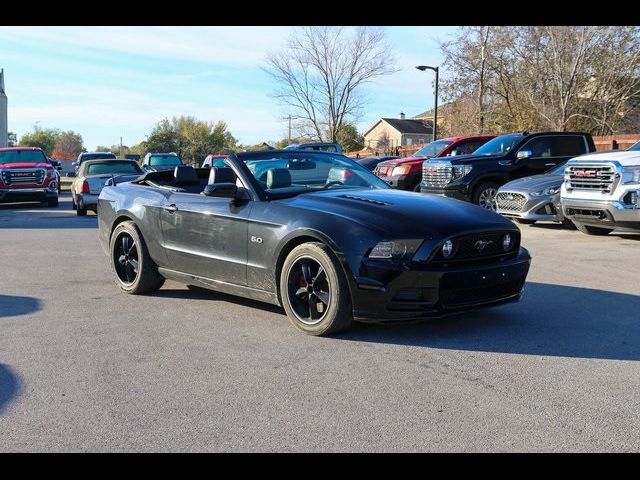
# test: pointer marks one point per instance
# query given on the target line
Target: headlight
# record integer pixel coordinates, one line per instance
(507, 242)
(546, 191)
(459, 171)
(632, 174)
(51, 173)
(395, 250)
(401, 170)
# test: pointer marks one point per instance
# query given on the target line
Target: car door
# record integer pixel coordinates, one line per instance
(548, 151)
(206, 236)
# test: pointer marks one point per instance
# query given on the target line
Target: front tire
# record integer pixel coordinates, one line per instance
(134, 270)
(484, 195)
(314, 291)
(589, 230)
(52, 202)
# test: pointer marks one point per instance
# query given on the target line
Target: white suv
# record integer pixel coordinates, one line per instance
(600, 191)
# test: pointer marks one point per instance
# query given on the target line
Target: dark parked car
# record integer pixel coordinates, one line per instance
(476, 178)
(84, 156)
(318, 234)
(371, 162)
(406, 173)
(155, 162)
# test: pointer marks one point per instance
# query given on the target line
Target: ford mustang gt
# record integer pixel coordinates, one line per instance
(313, 232)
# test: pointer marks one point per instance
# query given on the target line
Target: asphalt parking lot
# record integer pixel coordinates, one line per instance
(84, 367)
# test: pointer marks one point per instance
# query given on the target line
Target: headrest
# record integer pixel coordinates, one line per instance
(222, 175)
(185, 175)
(278, 178)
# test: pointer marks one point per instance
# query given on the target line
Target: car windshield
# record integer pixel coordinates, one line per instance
(156, 160)
(286, 174)
(432, 149)
(499, 145)
(97, 156)
(113, 167)
(26, 156)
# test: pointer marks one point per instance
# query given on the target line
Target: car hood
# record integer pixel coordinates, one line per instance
(534, 183)
(400, 161)
(461, 159)
(400, 214)
(25, 165)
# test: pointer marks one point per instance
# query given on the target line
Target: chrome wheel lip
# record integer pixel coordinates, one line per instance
(297, 263)
(487, 199)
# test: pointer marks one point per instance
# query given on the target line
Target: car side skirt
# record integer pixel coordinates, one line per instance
(220, 286)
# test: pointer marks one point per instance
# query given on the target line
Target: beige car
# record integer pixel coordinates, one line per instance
(93, 174)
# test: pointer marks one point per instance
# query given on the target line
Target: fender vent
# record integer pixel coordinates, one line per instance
(375, 202)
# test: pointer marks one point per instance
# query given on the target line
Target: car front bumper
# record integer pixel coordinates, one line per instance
(543, 208)
(606, 214)
(447, 192)
(28, 194)
(401, 182)
(433, 291)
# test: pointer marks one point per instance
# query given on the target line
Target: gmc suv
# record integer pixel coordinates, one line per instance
(477, 177)
(27, 175)
(406, 173)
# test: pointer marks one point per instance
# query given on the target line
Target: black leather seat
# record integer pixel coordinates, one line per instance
(186, 178)
(278, 178)
(222, 175)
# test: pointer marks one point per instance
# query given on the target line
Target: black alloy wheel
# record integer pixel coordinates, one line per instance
(125, 257)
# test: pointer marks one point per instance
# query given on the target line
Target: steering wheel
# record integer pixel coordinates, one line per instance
(335, 182)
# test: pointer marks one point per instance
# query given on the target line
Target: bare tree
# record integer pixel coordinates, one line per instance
(320, 73)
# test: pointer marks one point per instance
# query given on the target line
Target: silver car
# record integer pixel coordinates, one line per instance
(535, 198)
(93, 174)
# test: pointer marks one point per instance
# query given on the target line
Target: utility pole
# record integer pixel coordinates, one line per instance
(435, 109)
(289, 128)
(120, 147)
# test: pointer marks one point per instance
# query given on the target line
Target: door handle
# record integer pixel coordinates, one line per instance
(171, 208)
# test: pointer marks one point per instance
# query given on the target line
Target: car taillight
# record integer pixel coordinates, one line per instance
(85, 187)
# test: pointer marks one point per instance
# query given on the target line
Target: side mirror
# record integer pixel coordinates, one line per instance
(524, 154)
(223, 190)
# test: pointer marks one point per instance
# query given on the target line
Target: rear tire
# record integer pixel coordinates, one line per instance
(525, 221)
(484, 195)
(589, 230)
(314, 290)
(134, 270)
(566, 223)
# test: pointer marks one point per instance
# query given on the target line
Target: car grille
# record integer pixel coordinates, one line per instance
(590, 177)
(23, 177)
(513, 202)
(435, 175)
(477, 247)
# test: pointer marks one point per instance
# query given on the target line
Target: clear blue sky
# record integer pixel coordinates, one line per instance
(107, 82)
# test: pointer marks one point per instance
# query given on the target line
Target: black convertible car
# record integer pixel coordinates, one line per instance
(313, 232)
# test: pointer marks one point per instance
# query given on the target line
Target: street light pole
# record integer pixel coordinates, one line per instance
(435, 108)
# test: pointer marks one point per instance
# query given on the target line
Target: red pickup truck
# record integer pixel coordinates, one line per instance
(406, 173)
(27, 175)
